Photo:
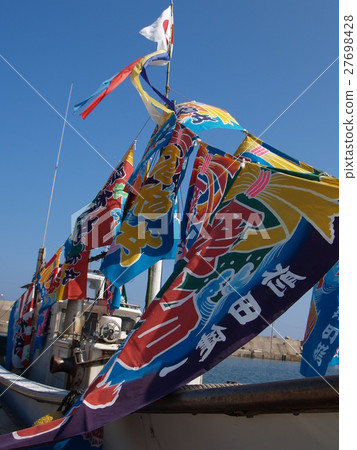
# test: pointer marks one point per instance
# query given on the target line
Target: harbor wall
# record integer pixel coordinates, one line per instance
(265, 347)
(5, 309)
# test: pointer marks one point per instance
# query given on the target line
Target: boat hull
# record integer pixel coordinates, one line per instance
(292, 414)
(315, 431)
(27, 399)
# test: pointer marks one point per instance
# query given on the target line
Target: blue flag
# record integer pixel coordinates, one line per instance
(322, 329)
(147, 233)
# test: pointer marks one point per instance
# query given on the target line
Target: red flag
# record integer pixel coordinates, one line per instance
(95, 227)
(71, 282)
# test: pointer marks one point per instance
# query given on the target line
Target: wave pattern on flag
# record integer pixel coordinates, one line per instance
(147, 231)
(321, 338)
(199, 116)
(282, 237)
(212, 173)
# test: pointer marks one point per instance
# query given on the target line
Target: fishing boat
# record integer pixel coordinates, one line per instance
(259, 229)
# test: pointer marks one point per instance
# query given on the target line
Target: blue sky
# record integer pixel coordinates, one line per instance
(251, 58)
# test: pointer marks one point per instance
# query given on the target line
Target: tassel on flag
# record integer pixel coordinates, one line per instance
(105, 88)
(136, 68)
(161, 31)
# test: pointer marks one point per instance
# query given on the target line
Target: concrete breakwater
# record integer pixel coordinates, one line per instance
(264, 347)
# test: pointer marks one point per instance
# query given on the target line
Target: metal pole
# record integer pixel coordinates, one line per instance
(36, 300)
(155, 272)
(42, 250)
(170, 45)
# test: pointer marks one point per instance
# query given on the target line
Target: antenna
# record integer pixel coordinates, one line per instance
(56, 168)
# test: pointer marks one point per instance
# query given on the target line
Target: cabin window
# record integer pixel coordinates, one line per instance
(59, 327)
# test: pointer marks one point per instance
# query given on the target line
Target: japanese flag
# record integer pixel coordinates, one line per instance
(161, 31)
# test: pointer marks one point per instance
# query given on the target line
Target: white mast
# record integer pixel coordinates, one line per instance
(155, 272)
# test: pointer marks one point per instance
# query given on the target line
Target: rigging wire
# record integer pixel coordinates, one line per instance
(141, 129)
(178, 93)
(56, 168)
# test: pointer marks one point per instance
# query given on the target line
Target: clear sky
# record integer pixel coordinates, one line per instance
(252, 58)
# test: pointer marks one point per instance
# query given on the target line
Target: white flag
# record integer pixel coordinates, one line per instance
(161, 31)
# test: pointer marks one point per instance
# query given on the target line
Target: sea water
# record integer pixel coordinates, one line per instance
(247, 370)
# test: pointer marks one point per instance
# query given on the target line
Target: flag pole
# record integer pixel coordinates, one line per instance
(155, 271)
(169, 51)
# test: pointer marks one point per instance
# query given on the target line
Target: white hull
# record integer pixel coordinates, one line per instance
(27, 399)
(296, 414)
(219, 431)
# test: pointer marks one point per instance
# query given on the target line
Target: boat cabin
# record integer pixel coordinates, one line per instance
(81, 337)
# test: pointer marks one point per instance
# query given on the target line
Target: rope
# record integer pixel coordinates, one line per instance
(69, 400)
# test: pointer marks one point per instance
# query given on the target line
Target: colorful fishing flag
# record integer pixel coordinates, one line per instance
(160, 138)
(273, 236)
(264, 251)
(135, 186)
(147, 231)
(45, 280)
(19, 335)
(321, 338)
(113, 296)
(97, 225)
(335, 361)
(253, 149)
(41, 328)
(71, 280)
(212, 173)
(161, 31)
